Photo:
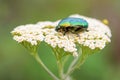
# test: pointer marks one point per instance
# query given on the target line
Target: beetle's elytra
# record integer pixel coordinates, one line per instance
(73, 25)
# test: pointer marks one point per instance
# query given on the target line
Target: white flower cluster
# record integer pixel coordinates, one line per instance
(29, 33)
(97, 36)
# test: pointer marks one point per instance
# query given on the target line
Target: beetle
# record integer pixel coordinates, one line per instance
(71, 24)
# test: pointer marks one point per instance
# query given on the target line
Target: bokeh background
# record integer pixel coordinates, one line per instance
(17, 64)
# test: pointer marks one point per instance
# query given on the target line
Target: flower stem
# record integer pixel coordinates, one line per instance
(65, 60)
(71, 69)
(45, 68)
(72, 66)
(75, 64)
(60, 69)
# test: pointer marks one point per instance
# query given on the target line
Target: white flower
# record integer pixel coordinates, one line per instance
(29, 33)
(97, 36)
(61, 41)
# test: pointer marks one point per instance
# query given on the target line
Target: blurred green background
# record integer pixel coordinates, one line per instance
(17, 64)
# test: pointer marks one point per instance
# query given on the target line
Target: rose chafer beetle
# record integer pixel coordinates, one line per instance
(71, 24)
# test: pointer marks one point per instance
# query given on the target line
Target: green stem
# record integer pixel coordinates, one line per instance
(45, 68)
(60, 69)
(81, 61)
(72, 66)
(75, 64)
(71, 69)
(65, 60)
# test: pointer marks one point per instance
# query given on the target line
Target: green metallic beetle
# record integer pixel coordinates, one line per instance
(71, 24)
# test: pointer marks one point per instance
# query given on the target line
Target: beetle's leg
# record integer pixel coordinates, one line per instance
(84, 29)
(64, 33)
(65, 30)
(78, 35)
(77, 29)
